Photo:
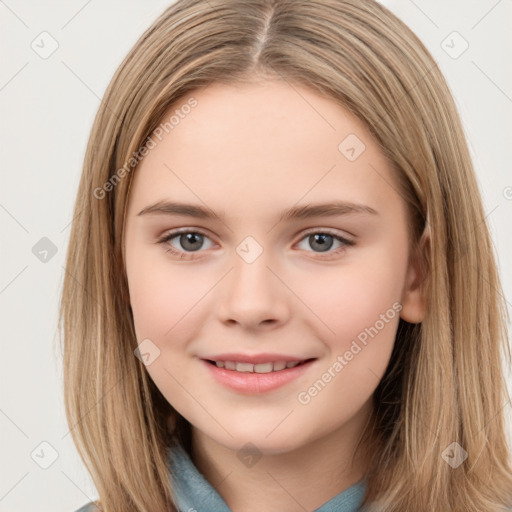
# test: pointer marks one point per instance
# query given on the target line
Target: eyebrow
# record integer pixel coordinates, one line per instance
(331, 209)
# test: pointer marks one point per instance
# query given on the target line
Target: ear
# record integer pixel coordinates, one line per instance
(414, 307)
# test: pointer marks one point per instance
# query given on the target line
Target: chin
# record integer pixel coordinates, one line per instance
(261, 442)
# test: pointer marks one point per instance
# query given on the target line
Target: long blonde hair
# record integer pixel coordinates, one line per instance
(445, 382)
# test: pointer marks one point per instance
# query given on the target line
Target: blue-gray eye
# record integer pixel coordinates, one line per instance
(323, 241)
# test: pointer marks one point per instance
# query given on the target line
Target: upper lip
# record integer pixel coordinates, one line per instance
(256, 358)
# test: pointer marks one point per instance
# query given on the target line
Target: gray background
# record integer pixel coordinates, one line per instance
(47, 108)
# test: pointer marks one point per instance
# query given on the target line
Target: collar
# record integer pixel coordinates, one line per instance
(193, 492)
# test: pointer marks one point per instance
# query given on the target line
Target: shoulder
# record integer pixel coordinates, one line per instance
(89, 507)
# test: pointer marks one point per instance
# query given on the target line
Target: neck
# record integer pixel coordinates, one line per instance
(300, 479)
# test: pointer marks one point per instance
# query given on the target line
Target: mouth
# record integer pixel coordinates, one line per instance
(268, 367)
(256, 378)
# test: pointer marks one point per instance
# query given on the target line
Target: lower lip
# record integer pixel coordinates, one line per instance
(256, 383)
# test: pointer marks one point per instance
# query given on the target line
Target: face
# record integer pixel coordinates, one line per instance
(250, 283)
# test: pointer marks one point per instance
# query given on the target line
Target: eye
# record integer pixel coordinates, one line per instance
(188, 240)
(324, 240)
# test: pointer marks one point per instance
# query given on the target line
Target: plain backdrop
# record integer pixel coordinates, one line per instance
(48, 103)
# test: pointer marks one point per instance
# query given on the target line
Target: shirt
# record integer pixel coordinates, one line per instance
(193, 492)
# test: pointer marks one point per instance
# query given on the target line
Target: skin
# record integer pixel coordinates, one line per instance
(251, 151)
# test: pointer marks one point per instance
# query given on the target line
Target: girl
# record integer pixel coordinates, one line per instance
(255, 372)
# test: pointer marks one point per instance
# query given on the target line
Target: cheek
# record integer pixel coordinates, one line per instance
(350, 299)
(165, 306)
(362, 311)
(358, 305)
(162, 295)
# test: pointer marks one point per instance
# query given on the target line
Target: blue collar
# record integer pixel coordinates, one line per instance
(193, 492)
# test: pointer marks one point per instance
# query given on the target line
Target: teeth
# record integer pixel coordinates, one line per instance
(263, 368)
(244, 367)
(256, 368)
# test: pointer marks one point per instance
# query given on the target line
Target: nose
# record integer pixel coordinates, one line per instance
(253, 295)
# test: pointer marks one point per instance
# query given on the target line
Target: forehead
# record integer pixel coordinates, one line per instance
(260, 144)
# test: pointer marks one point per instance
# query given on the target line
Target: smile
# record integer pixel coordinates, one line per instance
(257, 368)
(256, 378)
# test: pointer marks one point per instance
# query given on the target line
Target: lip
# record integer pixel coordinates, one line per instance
(256, 383)
(255, 358)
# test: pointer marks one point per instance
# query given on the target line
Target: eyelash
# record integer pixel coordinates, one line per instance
(189, 256)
